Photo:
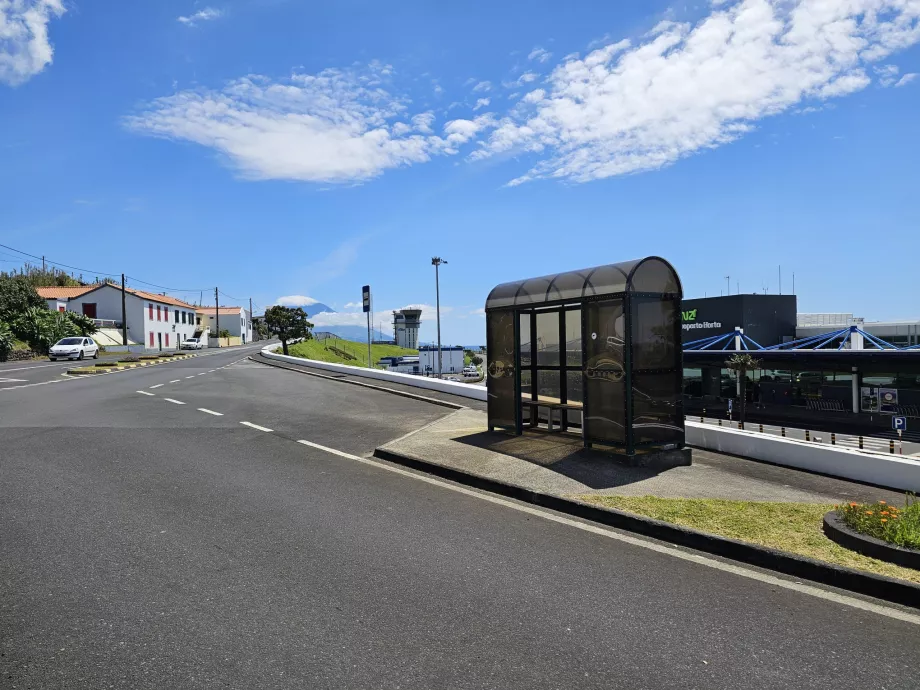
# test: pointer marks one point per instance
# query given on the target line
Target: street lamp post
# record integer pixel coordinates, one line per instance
(436, 262)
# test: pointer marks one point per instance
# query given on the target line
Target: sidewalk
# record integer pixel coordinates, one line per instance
(556, 464)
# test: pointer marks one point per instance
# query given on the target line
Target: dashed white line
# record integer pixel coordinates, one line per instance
(211, 371)
(202, 373)
(177, 402)
(216, 414)
(190, 377)
(157, 386)
(255, 426)
(144, 393)
(175, 381)
(741, 571)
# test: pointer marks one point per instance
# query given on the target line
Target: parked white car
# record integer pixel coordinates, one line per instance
(470, 371)
(73, 348)
(191, 344)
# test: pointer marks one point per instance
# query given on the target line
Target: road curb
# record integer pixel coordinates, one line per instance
(300, 370)
(877, 586)
(837, 531)
(95, 371)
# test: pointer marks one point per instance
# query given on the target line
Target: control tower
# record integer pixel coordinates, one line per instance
(406, 323)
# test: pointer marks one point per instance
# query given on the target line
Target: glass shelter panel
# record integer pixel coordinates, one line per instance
(655, 337)
(548, 338)
(524, 336)
(573, 337)
(657, 409)
(503, 399)
(654, 275)
(604, 386)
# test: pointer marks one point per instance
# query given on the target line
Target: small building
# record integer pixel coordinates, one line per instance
(406, 323)
(159, 321)
(406, 364)
(451, 359)
(236, 320)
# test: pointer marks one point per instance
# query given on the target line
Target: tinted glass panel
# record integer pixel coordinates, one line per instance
(500, 382)
(654, 275)
(654, 337)
(548, 386)
(604, 373)
(568, 285)
(574, 392)
(525, 340)
(548, 338)
(657, 412)
(573, 337)
(533, 291)
(526, 383)
(605, 280)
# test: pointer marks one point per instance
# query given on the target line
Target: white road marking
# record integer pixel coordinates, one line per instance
(211, 371)
(6, 380)
(202, 373)
(177, 402)
(159, 385)
(144, 393)
(38, 366)
(216, 414)
(175, 381)
(742, 571)
(190, 377)
(255, 426)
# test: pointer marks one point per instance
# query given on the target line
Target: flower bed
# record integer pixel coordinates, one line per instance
(898, 526)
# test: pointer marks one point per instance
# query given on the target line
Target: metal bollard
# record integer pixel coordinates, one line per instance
(807, 435)
(740, 425)
(702, 415)
(761, 428)
(891, 446)
(860, 443)
(720, 421)
(833, 439)
(783, 429)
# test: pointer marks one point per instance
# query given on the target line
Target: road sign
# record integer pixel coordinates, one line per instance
(730, 401)
(366, 297)
(899, 423)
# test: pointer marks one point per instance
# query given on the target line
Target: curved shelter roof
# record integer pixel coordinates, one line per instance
(649, 275)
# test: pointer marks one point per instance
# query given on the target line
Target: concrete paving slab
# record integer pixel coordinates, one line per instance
(557, 464)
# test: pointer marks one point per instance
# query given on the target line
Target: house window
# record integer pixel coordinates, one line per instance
(62, 309)
(167, 340)
(177, 316)
(158, 313)
(150, 307)
(151, 332)
(183, 317)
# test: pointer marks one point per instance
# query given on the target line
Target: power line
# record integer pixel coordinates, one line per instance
(238, 299)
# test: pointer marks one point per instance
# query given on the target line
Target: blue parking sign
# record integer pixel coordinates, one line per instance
(899, 423)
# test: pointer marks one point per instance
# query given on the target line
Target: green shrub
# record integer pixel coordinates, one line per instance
(130, 358)
(6, 341)
(899, 526)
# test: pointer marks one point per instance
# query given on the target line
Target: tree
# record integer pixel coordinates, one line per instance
(16, 296)
(476, 360)
(83, 324)
(741, 363)
(42, 328)
(288, 323)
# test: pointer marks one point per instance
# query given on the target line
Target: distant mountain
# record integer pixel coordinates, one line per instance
(356, 333)
(318, 308)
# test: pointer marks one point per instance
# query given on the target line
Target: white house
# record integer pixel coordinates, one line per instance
(159, 322)
(236, 320)
(451, 359)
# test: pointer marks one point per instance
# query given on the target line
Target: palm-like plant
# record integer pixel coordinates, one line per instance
(741, 363)
(6, 341)
(32, 326)
(83, 324)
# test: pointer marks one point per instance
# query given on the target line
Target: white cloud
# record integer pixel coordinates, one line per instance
(336, 126)
(534, 96)
(296, 301)
(527, 77)
(205, 15)
(887, 74)
(24, 46)
(906, 79)
(539, 54)
(482, 103)
(353, 305)
(358, 318)
(482, 86)
(684, 88)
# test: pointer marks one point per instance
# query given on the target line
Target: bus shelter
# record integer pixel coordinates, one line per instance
(598, 348)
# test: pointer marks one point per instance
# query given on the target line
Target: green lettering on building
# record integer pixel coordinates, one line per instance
(688, 315)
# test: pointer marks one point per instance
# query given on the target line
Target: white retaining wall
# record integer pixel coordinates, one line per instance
(891, 471)
(452, 387)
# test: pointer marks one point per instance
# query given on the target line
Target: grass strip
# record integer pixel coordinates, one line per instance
(791, 527)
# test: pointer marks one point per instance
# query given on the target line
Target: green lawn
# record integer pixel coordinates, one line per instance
(791, 527)
(322, 350)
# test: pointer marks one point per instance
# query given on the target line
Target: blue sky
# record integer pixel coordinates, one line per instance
(284, 149)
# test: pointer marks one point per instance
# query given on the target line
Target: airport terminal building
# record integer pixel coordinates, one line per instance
(820, 370)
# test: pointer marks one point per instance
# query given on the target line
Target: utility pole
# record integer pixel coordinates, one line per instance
(124, 314)
(728, 285)
(249, 320)
(217, 316)
(436, 262)
(43, 264)
(780, 280)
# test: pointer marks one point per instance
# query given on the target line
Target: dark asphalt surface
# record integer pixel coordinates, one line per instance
(147, 544)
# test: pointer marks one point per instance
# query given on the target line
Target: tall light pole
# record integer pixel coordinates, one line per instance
(728, 289)
(436, 262)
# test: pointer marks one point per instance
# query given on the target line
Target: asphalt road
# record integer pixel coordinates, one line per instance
(167, 527)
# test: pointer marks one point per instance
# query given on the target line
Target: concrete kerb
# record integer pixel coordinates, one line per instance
(95, 371)
(298, 368)
(877, 586)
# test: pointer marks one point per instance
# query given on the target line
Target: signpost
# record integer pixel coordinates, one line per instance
(366, 302)
(730, 405)
(899, 424)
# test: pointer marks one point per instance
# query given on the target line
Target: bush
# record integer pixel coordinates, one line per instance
(6, 341)
(899, 526)
(130, 359)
